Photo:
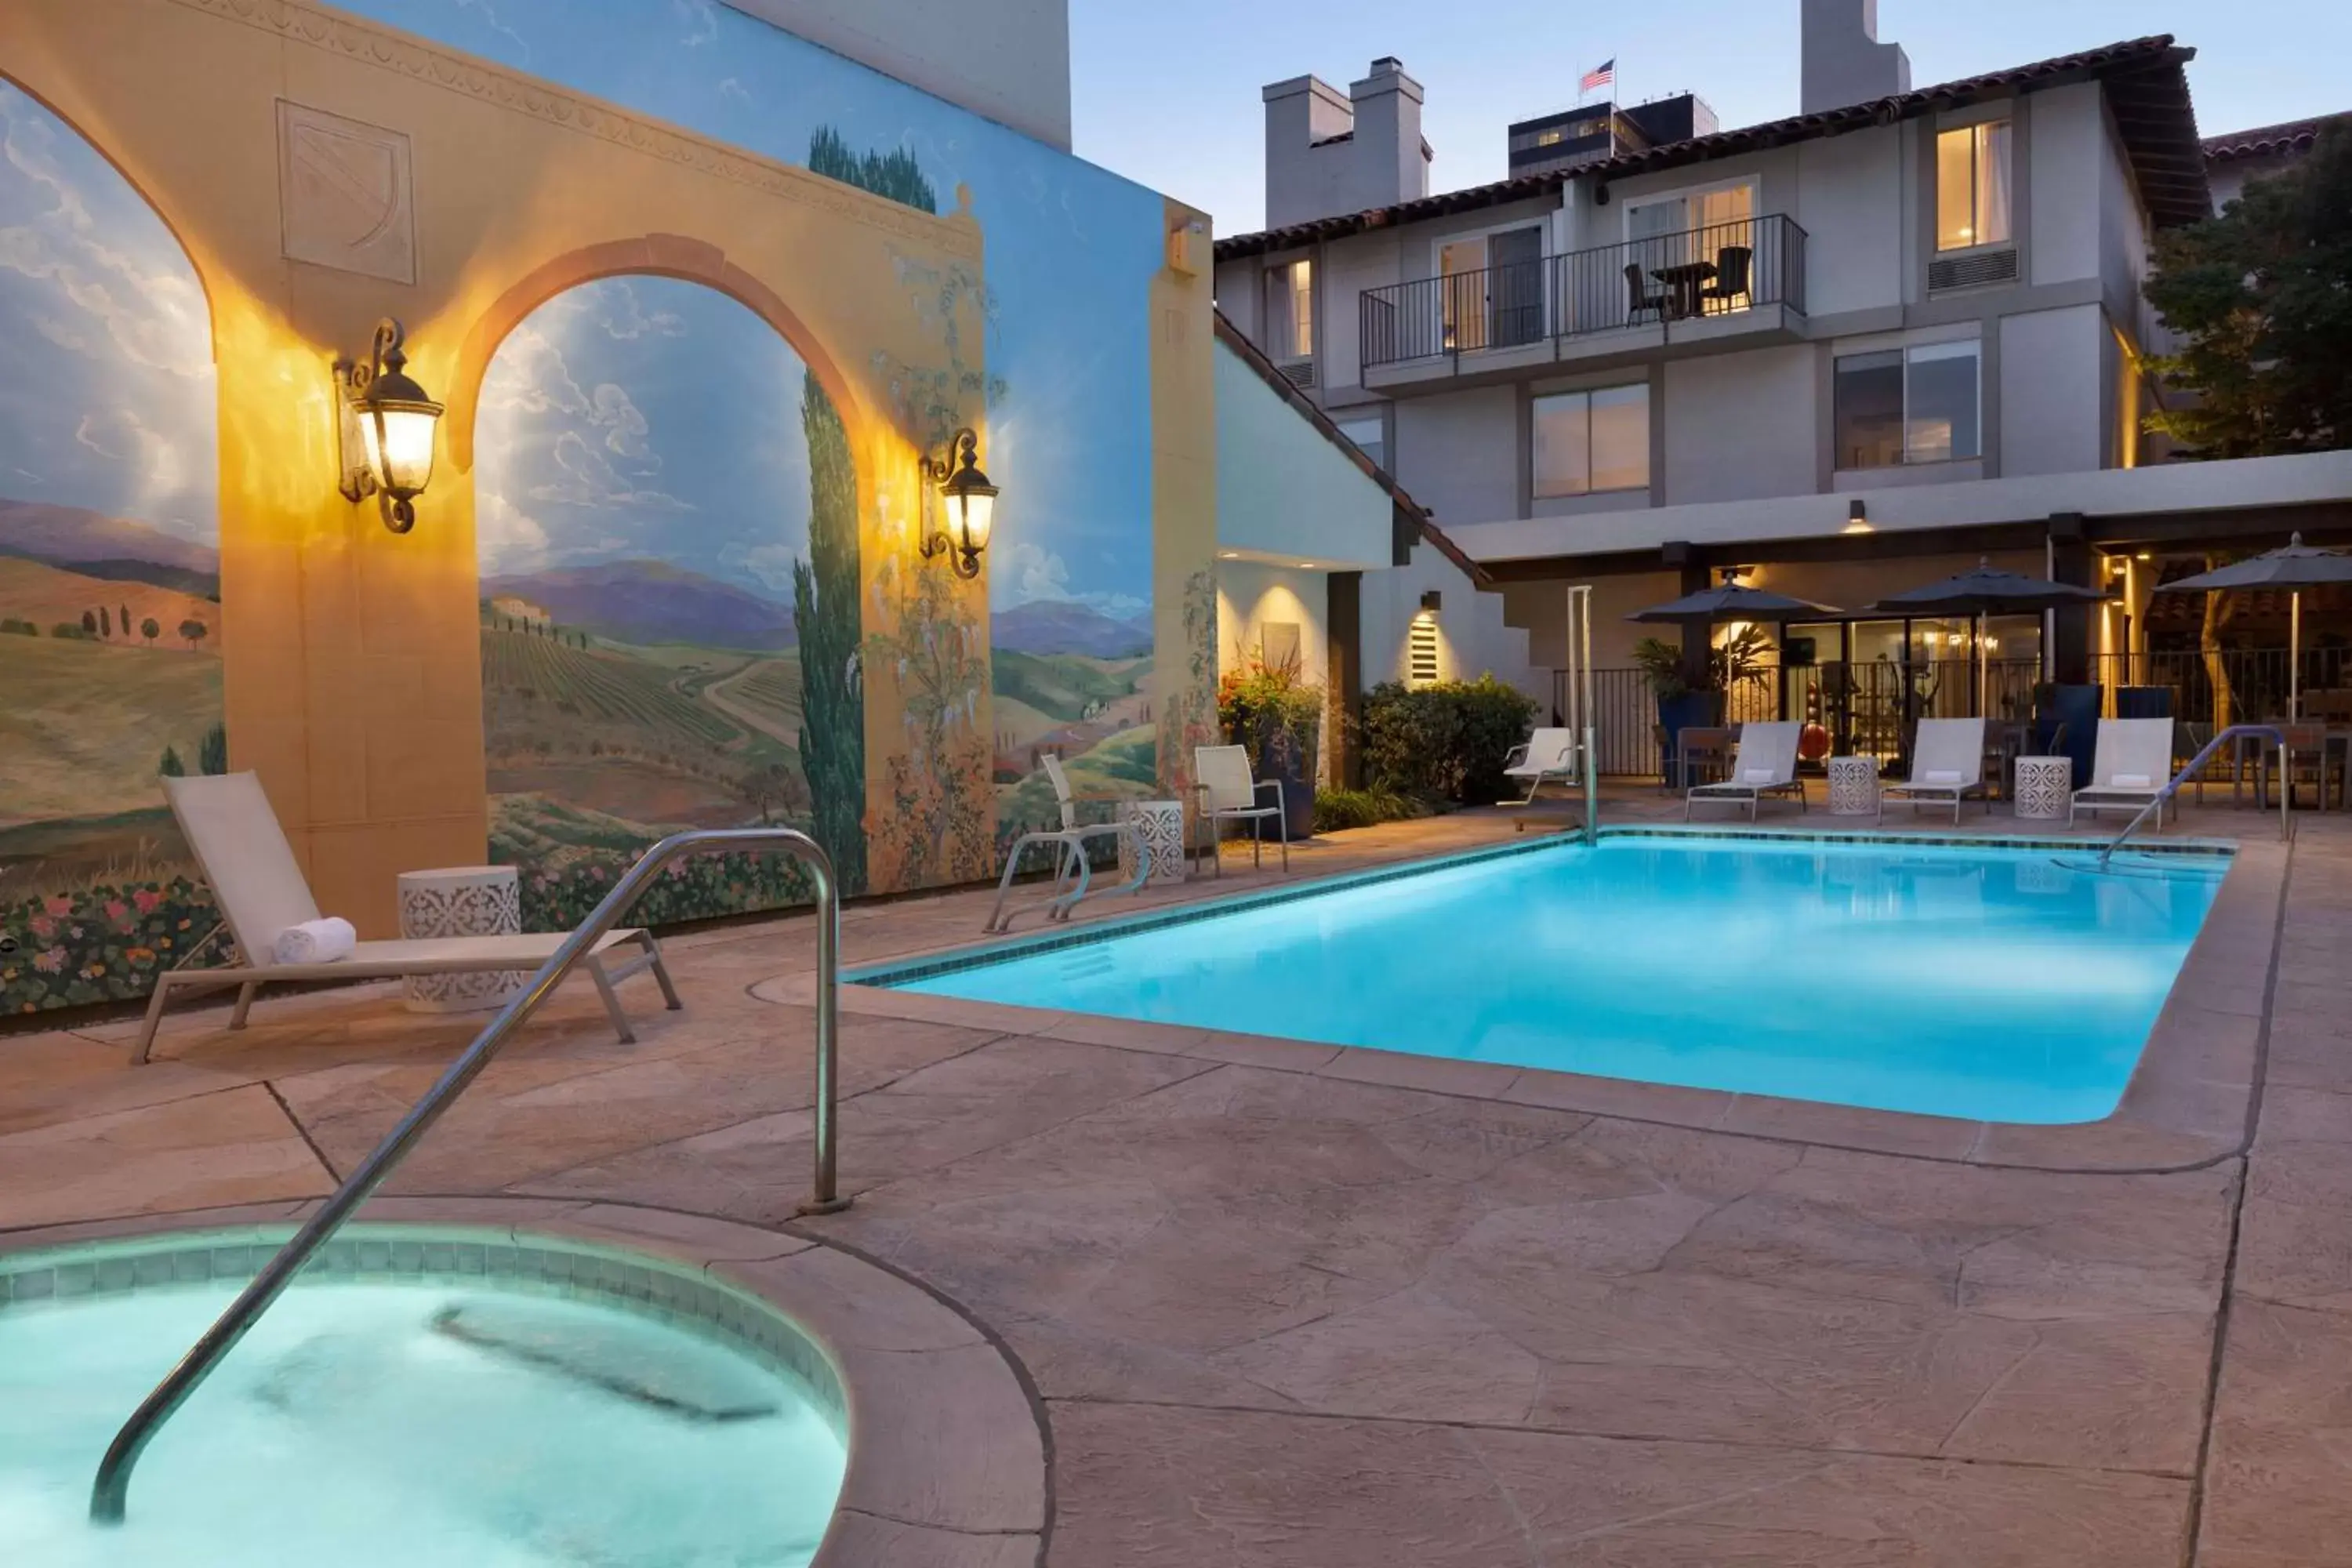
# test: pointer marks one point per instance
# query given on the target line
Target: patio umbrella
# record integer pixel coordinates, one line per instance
(1732, 602)
(1986, 592)
(2295, 568)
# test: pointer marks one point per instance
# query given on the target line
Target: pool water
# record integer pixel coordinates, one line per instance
(1993, 985)
(348, 1429)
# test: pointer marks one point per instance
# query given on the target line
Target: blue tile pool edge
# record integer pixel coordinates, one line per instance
(899, 971)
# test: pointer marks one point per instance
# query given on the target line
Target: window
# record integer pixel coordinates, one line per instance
(1972, 187)
(1370, 436)
(1290, 311)
(1548, 139)
(1908, 406)
(1490, 293)
(1588, 441)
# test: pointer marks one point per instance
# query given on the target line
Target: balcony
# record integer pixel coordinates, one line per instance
(1730, 280)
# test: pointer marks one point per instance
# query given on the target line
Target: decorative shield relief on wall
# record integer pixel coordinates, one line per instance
(344, 195)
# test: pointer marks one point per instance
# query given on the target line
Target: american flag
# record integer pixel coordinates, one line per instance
(1603, 75)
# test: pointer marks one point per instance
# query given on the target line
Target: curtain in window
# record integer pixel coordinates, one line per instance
(1992, 182)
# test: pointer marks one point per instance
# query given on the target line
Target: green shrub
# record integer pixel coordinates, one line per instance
(1444, 741)
(71, 631)
(13, 626)
(1335, 809)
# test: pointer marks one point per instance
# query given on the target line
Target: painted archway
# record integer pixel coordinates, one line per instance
(666, 526)
(111, 630)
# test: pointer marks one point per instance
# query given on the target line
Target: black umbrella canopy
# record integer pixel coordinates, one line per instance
(1731, 603)
(1986, 592)
(2299, 565)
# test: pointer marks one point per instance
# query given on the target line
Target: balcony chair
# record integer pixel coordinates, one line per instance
(1731, 269)
(1638, 296)
(228, 824)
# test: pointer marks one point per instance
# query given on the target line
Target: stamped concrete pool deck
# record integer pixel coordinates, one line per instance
(1281, 1306)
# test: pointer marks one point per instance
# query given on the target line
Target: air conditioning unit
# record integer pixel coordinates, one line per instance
(1972, 270)
(1299, 372)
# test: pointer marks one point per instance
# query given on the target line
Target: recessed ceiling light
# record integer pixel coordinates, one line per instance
(1306, 567)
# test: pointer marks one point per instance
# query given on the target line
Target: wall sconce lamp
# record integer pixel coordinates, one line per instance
(971, 502)
(1431, 599)
(384, 429)
(1857, 518)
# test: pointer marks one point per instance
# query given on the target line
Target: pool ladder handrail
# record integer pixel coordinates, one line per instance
(111, 1489)
(2205, 754)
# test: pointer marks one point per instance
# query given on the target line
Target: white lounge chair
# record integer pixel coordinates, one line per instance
(1070, 864)
(1227, 792)
(1545, 754)
(1765, 763)
(229, 826)
(2131, 764)
(1946, 766)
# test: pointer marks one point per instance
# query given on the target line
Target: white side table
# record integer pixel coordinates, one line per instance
(2045, 787)
(1853, 786)
(461, 901)
(1160, 824)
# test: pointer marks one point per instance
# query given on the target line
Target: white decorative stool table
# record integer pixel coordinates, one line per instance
(1160, 824)
(1853, 786)
(2045, 787)
(461, 901)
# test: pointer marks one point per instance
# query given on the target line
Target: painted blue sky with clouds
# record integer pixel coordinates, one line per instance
(1071, 248)
(637, 417)
(108, 400)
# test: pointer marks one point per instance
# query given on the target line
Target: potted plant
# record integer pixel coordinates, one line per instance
(1272, 710)
(1685, 703)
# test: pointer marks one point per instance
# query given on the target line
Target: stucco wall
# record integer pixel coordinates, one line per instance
(1251, 596)
(1473, 638)
(2052, 418)
(1008, 61)
(1458, 453)
(1283, 486)
(2067, 140)
(1742, 424)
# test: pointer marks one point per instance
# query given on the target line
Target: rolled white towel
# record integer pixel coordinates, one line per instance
(315, 941)
(1942, 776)
(2133, 781)
(1757, 776)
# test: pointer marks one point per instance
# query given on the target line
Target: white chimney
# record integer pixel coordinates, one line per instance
(1844, 63)
(1326, 154)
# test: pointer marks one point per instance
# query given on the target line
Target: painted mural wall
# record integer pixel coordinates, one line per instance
(111, 633)
(680, 458)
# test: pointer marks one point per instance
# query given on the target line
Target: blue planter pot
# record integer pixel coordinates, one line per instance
(1692, 710)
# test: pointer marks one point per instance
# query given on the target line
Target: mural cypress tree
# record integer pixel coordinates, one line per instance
(825, 587)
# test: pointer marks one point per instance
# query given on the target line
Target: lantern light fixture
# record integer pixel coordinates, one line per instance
(969, 501)
(384, 428)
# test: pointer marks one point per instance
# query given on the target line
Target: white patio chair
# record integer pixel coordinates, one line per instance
(1228, 794)
(1545, 754)
(235, 837)
(1070, 864)
(1946, 766)
(1765, 763)
(2131, 764)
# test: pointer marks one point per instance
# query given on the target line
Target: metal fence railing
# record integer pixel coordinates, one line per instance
(1868, 707)
(1719, 270)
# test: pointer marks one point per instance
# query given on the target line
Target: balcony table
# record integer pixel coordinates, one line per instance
(1684, 283)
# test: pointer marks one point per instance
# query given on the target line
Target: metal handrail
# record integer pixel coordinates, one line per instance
(2205, 754)
(110, 1491)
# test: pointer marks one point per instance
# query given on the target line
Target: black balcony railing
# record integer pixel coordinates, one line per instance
(1663, 278)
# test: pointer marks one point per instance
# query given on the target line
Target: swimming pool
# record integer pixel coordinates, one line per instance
(1997, 984)
(424, 1399)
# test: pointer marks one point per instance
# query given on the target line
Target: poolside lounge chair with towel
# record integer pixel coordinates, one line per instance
(1765, 763)
(1227, 792)
(1545, 754)
(1946, 765)
(262, 895)
(2131, 764)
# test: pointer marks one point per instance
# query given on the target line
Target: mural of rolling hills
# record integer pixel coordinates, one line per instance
(647, 600)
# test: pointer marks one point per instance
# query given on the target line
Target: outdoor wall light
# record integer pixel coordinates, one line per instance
(384, 429)
(970, 500)
(1857, 518)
